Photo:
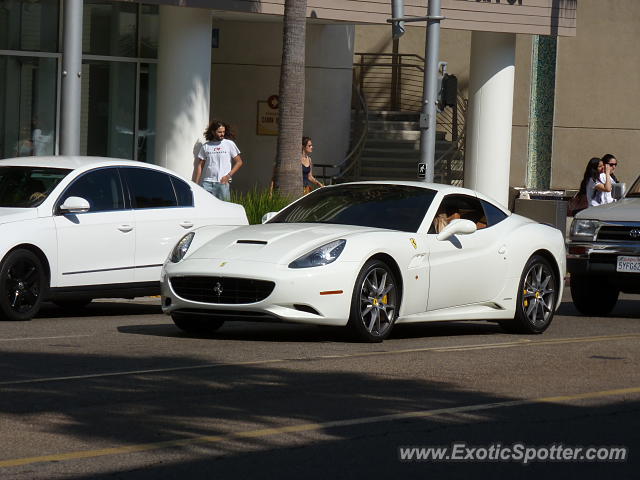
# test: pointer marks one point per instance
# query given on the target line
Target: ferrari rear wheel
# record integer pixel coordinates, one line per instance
(195, 324)
(374, 304)
(537, 297)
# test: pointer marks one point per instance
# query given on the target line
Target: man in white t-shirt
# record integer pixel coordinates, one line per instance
(219, 161)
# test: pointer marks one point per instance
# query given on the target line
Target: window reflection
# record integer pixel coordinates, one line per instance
(108, 109)
(29, 25)
(110, 28)
(28, 97)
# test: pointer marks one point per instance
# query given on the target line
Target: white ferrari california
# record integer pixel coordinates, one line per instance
(368, 255)
(77, 228)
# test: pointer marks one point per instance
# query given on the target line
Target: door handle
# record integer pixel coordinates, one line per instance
(125, 228)
(186, 224)
(502, 250)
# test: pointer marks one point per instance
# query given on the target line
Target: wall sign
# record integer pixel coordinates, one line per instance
(267, 122)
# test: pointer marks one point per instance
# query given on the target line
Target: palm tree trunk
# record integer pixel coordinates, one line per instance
(288, 172)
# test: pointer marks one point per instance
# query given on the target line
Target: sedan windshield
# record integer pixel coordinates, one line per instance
(27, 187)
(394, 207)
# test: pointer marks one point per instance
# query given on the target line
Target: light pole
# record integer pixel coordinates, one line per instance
(430, 85)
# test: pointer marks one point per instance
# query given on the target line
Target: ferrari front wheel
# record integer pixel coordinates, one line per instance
(537, 297)
(374, 304)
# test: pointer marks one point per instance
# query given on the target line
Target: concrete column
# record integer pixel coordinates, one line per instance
(71, 73)
(489, 121)
(184, 77)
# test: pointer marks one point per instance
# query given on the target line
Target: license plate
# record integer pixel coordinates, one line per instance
(628, 264)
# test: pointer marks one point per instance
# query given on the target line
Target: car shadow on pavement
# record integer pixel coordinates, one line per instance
(289, 332)
(99, 309)
(189, 420)
(625, 308)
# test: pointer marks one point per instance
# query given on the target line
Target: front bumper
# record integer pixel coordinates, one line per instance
(318, 295)
(600, 260)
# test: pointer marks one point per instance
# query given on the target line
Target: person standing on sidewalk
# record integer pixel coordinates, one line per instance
(219, 161)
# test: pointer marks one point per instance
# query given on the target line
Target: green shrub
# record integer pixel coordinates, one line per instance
(258, 202)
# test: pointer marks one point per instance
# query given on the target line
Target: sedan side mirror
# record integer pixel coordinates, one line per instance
(457, 227)
(74, 205)
(268, 216)
(618, 190)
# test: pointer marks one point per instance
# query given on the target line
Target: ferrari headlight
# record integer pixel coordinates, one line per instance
(320, 256)
(584, 229)
(181, 248)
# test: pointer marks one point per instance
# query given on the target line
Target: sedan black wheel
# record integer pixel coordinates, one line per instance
(196, 324)
(374, 305)
(537, 297)
(22, 284)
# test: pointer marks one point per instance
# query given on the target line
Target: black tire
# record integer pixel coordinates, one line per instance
(375, 302)
(593, 296)
(196, 324)
(23, 282)
(537, 298)
(74, 304)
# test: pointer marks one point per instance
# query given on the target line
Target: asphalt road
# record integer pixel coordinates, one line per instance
(116, 391)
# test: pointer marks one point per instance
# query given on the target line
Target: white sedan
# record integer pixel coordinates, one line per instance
(369, 255)
(77, 228)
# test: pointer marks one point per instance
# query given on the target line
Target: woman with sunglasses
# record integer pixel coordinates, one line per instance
(610, 161)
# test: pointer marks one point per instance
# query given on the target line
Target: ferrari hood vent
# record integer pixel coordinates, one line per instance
(253, 242)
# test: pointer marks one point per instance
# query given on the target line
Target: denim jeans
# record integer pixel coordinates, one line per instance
(219, 190)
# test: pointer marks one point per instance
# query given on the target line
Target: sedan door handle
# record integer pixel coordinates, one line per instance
(502, 250)
(186, 224)
(125, 228)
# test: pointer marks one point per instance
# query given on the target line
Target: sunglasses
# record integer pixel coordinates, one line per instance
(612, 164)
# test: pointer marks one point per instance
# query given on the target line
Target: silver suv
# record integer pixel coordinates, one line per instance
(603, 253)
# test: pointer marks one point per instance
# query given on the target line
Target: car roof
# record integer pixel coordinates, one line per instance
(75, 162)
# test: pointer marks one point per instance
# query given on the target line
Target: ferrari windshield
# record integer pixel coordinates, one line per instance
(28, 187)
(395, 207)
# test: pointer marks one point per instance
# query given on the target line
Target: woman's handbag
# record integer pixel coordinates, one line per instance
(577, 203)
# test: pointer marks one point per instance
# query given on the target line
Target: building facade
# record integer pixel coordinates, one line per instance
(152, 74)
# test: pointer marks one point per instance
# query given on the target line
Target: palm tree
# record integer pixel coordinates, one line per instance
(287, 172)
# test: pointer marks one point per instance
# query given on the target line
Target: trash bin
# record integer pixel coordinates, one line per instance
(543, 206)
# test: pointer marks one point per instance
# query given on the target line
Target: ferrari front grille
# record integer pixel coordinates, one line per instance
(228, 290)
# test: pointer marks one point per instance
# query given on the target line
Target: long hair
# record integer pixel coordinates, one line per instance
(305, 140)
(213, 126)
(590, 173)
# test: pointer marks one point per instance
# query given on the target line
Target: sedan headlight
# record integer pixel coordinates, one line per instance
(181, 248)
(320, 256)
(584, 229)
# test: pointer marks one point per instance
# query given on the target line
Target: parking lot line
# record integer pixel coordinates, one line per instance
(18, 339)
(307, 427)
(453, 348)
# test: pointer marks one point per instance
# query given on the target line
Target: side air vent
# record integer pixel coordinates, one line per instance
(253, 242)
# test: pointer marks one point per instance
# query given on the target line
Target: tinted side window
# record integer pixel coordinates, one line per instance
(494, 214)
(101, 188)
(149, 188)
(183, 192)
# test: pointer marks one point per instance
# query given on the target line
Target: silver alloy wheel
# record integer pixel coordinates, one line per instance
(538, 294)
(377, 301)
